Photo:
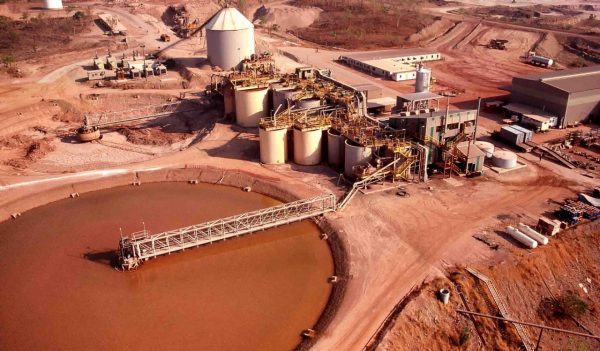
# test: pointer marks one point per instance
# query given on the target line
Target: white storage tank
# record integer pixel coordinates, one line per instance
(273, 146)
(520, 237)
(229, 38)
(307, 146)
(504, 159)
(53, 4)
(423, 79)
(486, 147)
(354, 155)
(250, 106)
(308, 103)
(335, 148)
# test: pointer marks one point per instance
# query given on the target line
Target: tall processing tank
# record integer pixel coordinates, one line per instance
(250, 106)
(282, 96)
(228, 101)
(308, 103)
(307, 146)
(53, 4)
(335, 148)
(423, 79)
(229, 38)
(273, 145)
(355, 155)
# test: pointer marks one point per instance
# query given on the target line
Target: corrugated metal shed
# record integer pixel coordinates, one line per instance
(569, 80)
(229, 18)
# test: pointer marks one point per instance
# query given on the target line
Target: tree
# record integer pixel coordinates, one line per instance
(8, 60)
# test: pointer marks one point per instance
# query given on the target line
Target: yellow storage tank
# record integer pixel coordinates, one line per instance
(250, 106)
(273, 146)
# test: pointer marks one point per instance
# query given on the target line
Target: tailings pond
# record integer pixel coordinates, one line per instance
(59, 291)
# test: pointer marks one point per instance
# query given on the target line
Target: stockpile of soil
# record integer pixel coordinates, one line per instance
(361, 24)
(152, 136)
(33, 151)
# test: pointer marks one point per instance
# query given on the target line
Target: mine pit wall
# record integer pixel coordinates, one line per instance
(20, 200)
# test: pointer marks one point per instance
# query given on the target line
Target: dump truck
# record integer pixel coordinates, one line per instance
(498, 44)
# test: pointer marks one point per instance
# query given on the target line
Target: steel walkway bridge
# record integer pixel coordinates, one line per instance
(141, 246)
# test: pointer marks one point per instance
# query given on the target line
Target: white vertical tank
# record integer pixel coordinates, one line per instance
(53, 4)
(335, 148)
(229, 38)
(504, 159)
(250, 106)
(273, 146)
(307, 146)
(423, 79)
(354, 155)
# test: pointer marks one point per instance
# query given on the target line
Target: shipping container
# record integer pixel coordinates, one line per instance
(511, 135)
(528, 133)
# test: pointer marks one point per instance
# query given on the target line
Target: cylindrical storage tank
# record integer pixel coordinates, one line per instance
(281, 98)
(423, 79)
(229, 38)
(354, 155)
(273, 146)
(250, 106)
(228, 100)
(527, 230)
(520, 237)
(445, 296)
(308, 103)
(335, 147)
(307, 146)
(53, 4)
(504, 159)
(486, 147)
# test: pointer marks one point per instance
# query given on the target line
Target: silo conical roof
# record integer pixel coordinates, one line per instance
(229, 18)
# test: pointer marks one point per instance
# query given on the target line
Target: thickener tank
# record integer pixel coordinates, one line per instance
(273, 146)
(423, 79)
(355, 155)
(250, 106)
(308, 103)
(486, 147)
(53, 4)
(229, 38)
(335, 148)
(307, 146)
(504, 159)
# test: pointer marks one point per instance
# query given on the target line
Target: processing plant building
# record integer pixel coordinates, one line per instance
(571, 95)
(396, 65)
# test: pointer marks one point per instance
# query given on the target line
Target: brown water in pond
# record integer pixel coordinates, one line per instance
(58, 291)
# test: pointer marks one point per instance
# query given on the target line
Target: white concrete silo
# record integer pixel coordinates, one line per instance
(53, 4)
(423, 79)
(229, 38)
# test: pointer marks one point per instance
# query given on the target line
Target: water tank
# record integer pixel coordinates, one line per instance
(273, 146)
(308, 103)
(504, 159)
(335, 148)
(250, 106)
(229, 38)
(486, 147)
(281, 96)
(423, 79)
(354, 155)
(228, 100)
(53, 4)
(307, 146)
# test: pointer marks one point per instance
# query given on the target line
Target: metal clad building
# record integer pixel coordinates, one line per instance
(229, 38)
(572, 95)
